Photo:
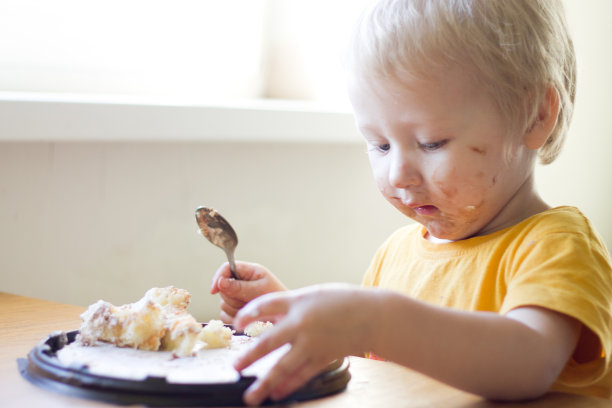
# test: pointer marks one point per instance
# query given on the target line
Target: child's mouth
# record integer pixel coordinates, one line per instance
(426, 210)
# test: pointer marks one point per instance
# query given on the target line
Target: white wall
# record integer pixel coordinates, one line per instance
(83, 221)
(581, 176)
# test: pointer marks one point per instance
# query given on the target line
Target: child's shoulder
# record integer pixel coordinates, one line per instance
(555, 225)
(562, 219)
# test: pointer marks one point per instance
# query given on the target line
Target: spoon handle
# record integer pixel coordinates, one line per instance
(232, 263)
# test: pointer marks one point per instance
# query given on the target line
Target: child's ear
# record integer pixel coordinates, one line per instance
(545, 121)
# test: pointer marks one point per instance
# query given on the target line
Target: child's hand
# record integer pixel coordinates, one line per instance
(256, 280)
(322, 323)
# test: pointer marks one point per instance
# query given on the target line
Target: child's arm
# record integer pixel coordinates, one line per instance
(515, 356)
(256, 280)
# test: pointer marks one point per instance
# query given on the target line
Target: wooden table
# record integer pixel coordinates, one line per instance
(25, 321)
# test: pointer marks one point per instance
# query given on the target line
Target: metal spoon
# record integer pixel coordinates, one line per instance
(218, 231)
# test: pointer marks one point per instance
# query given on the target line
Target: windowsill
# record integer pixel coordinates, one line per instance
(70, 117)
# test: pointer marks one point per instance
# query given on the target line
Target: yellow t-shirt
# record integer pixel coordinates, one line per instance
(554, 259)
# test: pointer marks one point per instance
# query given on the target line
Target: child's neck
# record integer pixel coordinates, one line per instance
(435, 240)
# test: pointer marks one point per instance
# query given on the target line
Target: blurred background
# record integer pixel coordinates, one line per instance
(119, 118)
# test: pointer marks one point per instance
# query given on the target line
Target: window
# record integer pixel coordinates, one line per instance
(198, 50)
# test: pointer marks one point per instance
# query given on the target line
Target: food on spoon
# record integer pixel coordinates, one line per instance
(256, 328)
(216, 335)
(157, 321)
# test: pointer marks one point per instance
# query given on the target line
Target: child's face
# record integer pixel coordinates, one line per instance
(441, 154)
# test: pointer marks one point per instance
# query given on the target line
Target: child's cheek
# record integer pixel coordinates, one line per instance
(461, 185)
(448, 190)
(445, 180)
(485, 178)
(381, 177)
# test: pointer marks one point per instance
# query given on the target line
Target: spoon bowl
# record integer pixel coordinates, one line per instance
(219, 232)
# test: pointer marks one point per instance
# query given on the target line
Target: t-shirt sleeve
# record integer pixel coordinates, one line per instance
(568, 272)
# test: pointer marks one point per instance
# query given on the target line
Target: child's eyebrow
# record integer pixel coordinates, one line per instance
(431, 127)
(366, 128)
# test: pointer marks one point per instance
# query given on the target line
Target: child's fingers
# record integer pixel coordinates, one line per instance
(229, 308)
(241, 290)
(226, 318)
(272, 339)
(295, 380)
(266, 307)
(232, 301)
(287, 366)
(247, 272)
(222, 272)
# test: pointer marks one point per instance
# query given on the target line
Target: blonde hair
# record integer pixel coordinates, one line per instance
(515, 49)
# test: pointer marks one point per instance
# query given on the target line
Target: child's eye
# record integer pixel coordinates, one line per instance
(432, 146)
(381, 148)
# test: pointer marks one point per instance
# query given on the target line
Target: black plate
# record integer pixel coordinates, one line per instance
(43, 369)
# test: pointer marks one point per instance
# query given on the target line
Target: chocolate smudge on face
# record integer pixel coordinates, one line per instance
(448, 192)
(438, 179)
(482, 151)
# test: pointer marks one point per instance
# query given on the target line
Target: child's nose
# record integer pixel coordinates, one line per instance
(403, 172)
